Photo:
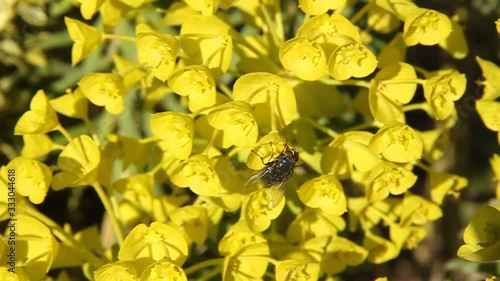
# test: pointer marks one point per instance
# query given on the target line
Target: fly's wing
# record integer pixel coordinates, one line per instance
(255, 181)
(276, 194)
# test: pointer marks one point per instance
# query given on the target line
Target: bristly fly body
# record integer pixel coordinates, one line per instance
(276, 174)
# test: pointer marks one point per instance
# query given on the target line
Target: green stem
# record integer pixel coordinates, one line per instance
(92, 130)
(207, 276)
(320, 127)
(66, 238)
(402, 81)
(415, 106)
(111, 211)
(361, 12)
(363, 126)
(272, 106)
(350, 82)
(203, 264)
(225, 89)
(117, 36)
(270, 24)
(65, 133)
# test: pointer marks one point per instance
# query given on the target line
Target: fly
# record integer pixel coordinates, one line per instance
(276, 174)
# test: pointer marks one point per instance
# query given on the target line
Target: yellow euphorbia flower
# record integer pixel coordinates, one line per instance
(489, 111)
(112, 12)
(238, 244)
(351, 60)
(78, 162)
(197, 82)
(176, 129)
(436, 143)
(297, 270)
(104, 89)
(32, 178)
(237, 122)
(313, 223)
(131, 72)
(206, 7)
(206, 41)
(35, 244)
(145, 245)
(324, 192)
(89, 7)
(427, 27)
(304, 57)
(256, 210)
(347, 152)
(40, 119)
(314, 7)
(442, 90)
(162, 270)
(482, 236)
(157, 50)
(398, 143)
(340, 253)
(386, 178)
(137, 189)
(443, 184)
(330, 32)
(385, 98)
(199, 175)
(85, 37)
(72, 104)
(382, 21)
(270, 96)
(38, 145)
(116, 271)
(417, 210)
(193, 221)
(380, 249)
(399, 8)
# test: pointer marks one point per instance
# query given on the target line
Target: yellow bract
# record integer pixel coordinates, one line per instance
(382, 21)
(237, 122)
(443, 184)
(119, 270)
(456, 43)
(206, 41)
(145, 245)
(313, 223)
(104, 89)
(324, 192)
(340, 253)
(36, 146)
(206, 7)
(297, 270)
(193, 222)
(35, 244)
(481, 236)
(380, 249)
(197, 82)
(387, 95)
(137, 189)
(418, 210)
(89, 7)
(398, 143)
(387, 178)
(330, 32)
(33, 178)
(176, 129)
(426, 27)
(271, 97)
(442, 90)
(157, 50)
(164, 269)
(85, 37)
(78, 162)
(305, 58)
(314, 7)
(72, 104)
(257, 212)
(239, 243)
(351, 60)
(199, 175)
(347, 152)
(40, 119)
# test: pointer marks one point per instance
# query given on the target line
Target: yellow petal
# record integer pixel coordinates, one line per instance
(40, 119)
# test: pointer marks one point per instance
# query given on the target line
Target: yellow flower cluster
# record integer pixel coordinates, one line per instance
(224, 100)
